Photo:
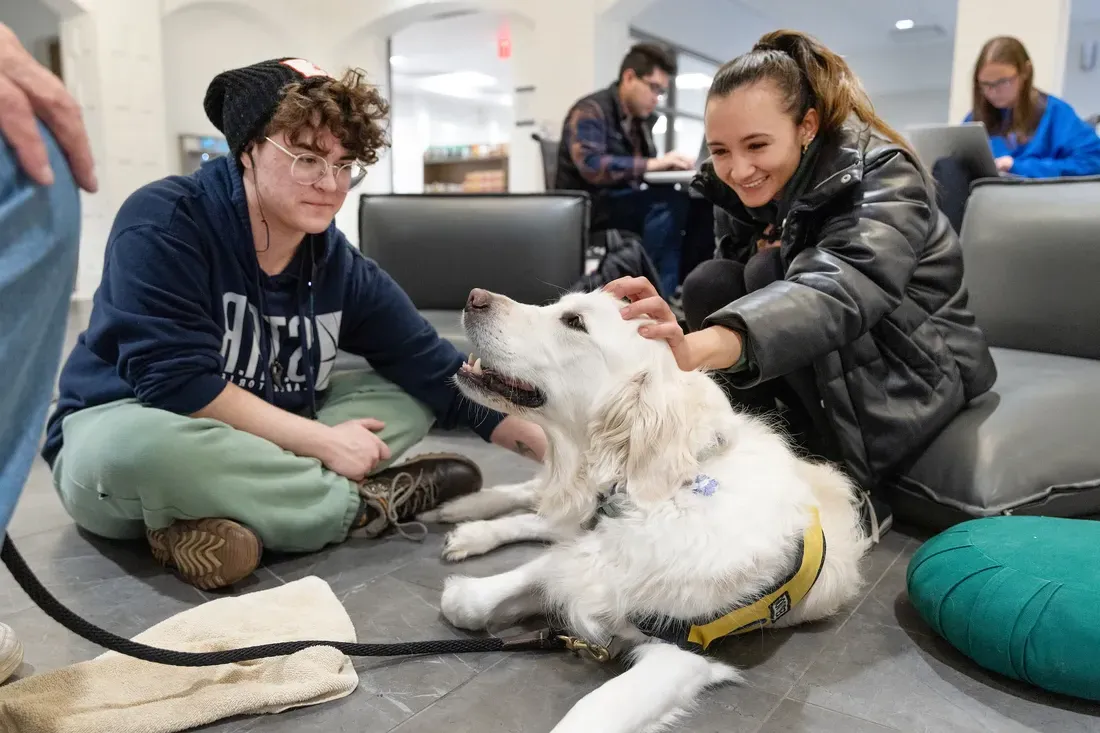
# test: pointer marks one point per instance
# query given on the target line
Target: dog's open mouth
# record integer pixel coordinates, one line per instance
(516, 391)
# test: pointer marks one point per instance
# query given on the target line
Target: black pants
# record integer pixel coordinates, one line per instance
(953, 179)
(793, 397)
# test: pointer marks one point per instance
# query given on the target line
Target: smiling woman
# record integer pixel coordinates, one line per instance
(832, 260)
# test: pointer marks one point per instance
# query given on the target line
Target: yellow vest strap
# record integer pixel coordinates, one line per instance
(777, 603)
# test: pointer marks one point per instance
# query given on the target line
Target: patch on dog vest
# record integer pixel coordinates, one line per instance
(767, 608)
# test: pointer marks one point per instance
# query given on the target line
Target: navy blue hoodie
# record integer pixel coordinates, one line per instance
(177, 315)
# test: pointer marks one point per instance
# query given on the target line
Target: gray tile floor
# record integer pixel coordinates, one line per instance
(874, 668)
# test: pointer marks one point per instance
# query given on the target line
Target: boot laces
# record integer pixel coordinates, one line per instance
(389, 498)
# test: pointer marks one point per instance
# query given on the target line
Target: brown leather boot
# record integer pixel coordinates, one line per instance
(394, 496)
(207, 553)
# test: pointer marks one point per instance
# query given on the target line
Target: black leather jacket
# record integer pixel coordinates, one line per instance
(873, 299)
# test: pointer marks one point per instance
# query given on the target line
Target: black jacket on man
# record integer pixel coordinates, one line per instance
(872, 299)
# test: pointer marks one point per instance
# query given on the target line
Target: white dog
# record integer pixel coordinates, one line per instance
(675, 519)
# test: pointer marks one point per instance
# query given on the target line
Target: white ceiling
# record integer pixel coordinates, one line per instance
(861, 30)
(454, 54)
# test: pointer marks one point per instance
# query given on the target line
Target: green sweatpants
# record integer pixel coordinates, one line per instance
(125, 467)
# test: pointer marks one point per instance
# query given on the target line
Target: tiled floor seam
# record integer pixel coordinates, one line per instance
(447, 694)
(772, 712)
(867, 594)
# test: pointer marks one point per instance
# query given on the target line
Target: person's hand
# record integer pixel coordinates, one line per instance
(352, 450)
(646, 302)
(29, 92)
(670, 162)
(711, 348)
(1004, 163)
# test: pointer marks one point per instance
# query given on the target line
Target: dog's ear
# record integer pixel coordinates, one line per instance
(641, 437)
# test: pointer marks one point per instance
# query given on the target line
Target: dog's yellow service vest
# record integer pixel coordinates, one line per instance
(772, 605)
(778, 601)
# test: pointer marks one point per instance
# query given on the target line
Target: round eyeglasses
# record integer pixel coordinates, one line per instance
(309, 169)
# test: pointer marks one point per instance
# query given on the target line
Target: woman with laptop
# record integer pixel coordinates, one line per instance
(837, 288)
(1033, 134)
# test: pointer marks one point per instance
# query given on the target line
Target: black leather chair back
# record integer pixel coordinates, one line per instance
(1032, 255)
(438, 247)
(549, 150)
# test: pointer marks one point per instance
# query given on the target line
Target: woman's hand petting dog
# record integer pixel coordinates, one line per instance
(711, 348)
(353, 450)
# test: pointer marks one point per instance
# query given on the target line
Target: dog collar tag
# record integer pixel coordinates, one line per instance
(704, 485)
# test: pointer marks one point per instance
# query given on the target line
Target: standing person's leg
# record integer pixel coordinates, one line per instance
(210, 498)
(39, 243)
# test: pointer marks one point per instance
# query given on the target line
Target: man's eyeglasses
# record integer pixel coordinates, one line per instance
(309, 169)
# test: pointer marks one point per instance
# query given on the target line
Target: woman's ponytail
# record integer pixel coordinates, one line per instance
(810, 76)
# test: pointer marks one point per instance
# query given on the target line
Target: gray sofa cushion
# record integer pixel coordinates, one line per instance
(1027, 447)
(1032, 253)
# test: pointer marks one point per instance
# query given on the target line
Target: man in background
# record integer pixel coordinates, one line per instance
(607, 148)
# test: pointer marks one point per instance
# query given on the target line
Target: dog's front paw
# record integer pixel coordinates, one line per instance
(462, 605)
(485, 504)
(469, 540)
(447, 513)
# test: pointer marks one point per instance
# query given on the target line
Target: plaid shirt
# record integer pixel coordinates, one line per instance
(586, 135)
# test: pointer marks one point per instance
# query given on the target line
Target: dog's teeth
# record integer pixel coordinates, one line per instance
(471, 359)
(477, 366)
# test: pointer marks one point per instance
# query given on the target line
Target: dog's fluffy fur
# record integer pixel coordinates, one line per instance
(618, 411)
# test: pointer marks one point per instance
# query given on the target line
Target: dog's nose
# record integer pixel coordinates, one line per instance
(479, 299)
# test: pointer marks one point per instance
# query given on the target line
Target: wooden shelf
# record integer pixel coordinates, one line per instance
(466, 174)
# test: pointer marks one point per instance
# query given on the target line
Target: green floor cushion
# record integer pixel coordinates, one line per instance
(1018, 595)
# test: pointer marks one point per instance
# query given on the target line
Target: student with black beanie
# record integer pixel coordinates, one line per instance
(199, 408)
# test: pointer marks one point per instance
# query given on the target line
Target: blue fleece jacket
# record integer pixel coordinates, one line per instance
(179, 310)
(1063, 145)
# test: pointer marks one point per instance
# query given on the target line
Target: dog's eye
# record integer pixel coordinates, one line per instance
(574, 321)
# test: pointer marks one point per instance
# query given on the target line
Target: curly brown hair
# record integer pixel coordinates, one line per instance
(349, 108)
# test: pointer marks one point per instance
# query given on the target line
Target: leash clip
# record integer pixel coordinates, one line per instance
(581, 647)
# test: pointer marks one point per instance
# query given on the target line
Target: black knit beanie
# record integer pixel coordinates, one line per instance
(241, 102)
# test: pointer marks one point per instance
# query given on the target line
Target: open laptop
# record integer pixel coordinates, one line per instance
(683, 177)
(967, 142)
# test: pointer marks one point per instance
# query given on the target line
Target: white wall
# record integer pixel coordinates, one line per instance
(1082, 87)
(34, 24)
(913, 108)
(199, 42)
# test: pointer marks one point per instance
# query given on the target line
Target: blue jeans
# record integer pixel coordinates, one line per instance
(657, 214)
(39, 244)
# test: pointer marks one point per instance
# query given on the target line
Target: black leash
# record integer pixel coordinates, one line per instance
(544, 640)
